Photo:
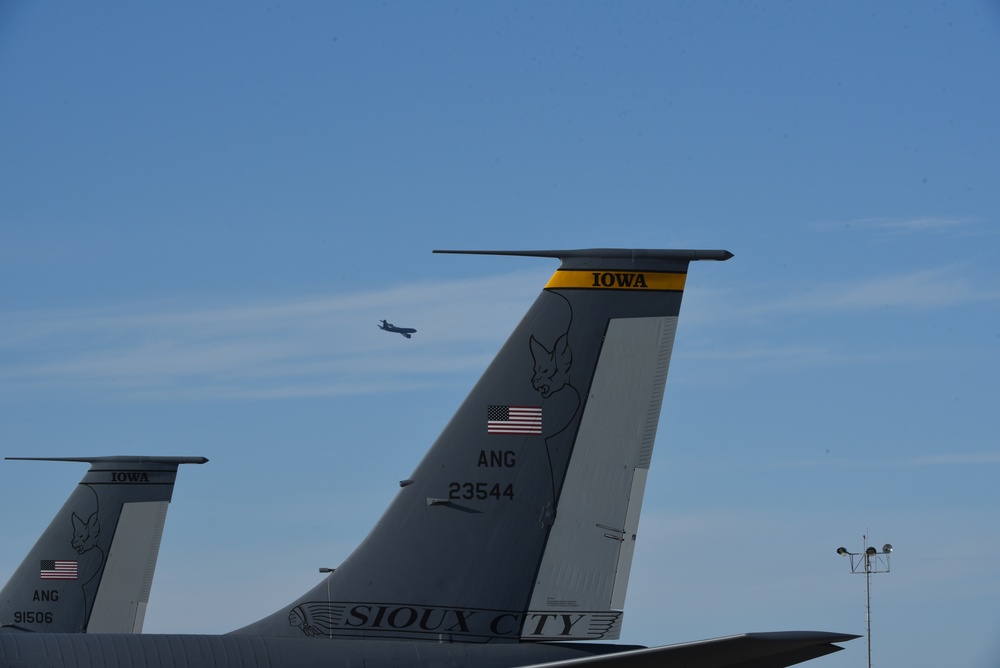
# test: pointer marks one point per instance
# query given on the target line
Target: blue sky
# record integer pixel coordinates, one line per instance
(204, 210)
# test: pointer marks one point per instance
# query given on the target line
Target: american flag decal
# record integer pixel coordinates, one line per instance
(55, 569)
(514, 420)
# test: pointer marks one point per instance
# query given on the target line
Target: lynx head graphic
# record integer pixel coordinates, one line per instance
(85, 533)
(551, 372)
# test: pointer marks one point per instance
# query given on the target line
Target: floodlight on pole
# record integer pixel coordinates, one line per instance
(873, 562)
(328, 571)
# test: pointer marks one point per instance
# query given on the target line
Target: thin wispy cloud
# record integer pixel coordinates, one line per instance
(958, 459)
(315, 346)
(919, 290)
(777, 327)
(904, 225)
(916, 291)
(754, 356)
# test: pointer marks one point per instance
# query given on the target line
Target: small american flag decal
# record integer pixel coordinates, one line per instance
(57, 569)
(514, 420)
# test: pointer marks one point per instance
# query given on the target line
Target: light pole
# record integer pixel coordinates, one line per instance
(327, 570)
(873, 562)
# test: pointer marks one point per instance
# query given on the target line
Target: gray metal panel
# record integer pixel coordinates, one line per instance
(128, 575)
(587, 558)
(628, 539)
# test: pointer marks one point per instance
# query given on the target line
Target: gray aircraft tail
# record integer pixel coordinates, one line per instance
(520, 522)
(92, 569)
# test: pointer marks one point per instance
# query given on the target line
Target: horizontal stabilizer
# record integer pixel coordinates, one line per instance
(602, 255)
(749, 650)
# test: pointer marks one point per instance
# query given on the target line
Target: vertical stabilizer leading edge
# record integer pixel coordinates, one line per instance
(520, 522)
(92, 569)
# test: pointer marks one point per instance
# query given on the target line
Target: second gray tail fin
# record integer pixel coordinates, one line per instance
(92, 568)
(520, 521)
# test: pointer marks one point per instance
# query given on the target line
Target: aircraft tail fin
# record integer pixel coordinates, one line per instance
(520, 521)
(92, 568)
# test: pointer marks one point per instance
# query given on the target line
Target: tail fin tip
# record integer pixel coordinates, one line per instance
(117, 459)
(606, 253)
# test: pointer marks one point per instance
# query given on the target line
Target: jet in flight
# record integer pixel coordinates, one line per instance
(389, 327)
(510, 544)
(91, 570)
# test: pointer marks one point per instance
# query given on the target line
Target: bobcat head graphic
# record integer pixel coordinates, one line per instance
(85, 533)
(551, 372)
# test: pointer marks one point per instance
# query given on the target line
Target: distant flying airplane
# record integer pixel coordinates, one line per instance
(512, 540)
(389, 327)
(91, 570)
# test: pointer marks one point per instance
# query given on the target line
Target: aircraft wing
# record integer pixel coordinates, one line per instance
(749, 650)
